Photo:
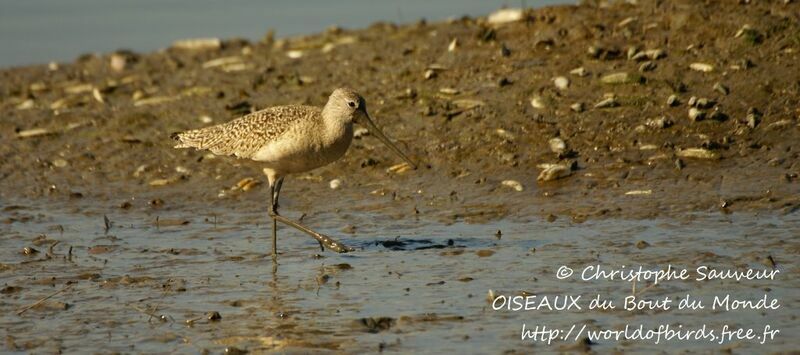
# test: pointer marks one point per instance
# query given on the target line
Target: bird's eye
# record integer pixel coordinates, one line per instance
(351, 104)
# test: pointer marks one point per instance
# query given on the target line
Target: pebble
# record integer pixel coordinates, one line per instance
(632, 51)
(704, 103)
(702, 67)
(295, 54)
(562, 83)
(696, 114)
(698, 153)
(34, 132)
(753, 117)
(218, 62)
(606, 103)
(335, 184)
(505, 134)
(98, 96)
(198, 44)
(647, 66)
(399, 168)
(160, 182)
(213, 316)
(722, 89)
(504, 16)
(513, 184)
(118, 62)
(655, 54)
(430, 74)
(659, 123)
(577, 107)
(639, 192)
(25, 105)
(580, 71)
(453, 45)
(557, 145)
(620, 78)
(537, 102)
(449, 91)
(672, 100)
(59, 163)
(554, 172)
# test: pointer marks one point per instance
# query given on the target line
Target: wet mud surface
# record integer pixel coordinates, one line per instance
(581, 165)
(198, 285)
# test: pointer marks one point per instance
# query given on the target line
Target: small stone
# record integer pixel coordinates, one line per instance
(198, 44)
(692, 101)
(659, 123)
(698, 153)
(647, 66)
(213, 316)
(504, 16)
(430, 74)
(621, 78)
(696, 114)
(722, 89)
(672, 100)
(632, 51)
(59, 163)
(718, 115)
(453, 45)
(513, 184)
(537, 102)
(655, 54)
(639, 56)
(577, 107)
(580, 71)
(554, 172)
(703, 103)
(159, 182)
(702, 67)
(118, 62)
(449, 91)
(562, 83)
(607, 103)
(753, 117)
(642, 244)
(557, 145)
(25, 105)
(335, 184)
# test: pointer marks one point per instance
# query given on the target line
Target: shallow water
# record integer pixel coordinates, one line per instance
(135, 287)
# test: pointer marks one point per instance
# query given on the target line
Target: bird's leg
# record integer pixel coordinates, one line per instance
(272, 211)
(329, 242)
(324, 241)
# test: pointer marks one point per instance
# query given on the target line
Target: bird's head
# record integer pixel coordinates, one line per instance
(346, 104)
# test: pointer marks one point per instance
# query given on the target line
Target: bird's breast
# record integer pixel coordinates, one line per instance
(305, 148)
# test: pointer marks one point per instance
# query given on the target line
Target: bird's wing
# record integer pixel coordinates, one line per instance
(244, 136)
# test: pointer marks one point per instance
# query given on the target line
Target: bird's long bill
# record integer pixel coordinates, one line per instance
(378, 133)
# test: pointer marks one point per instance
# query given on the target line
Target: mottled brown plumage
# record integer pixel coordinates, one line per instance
(244, 136)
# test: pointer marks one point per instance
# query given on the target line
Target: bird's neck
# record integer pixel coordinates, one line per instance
(335, 127)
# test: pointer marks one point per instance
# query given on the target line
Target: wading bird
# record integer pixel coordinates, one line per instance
(288, 140)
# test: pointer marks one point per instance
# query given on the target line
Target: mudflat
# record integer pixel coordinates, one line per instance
(663, 132)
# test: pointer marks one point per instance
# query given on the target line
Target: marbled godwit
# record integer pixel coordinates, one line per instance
(291, 139)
